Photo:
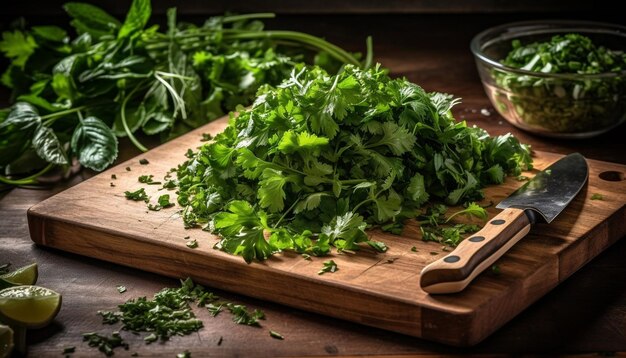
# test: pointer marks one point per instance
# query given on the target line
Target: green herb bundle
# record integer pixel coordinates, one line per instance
(566, 103)
(320, 158)
(73, 97)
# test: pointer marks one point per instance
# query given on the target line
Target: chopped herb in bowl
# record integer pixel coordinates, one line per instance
(560, 80)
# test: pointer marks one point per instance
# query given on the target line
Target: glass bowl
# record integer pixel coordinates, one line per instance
(554, 105)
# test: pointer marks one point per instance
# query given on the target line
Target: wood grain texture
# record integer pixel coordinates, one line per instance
(94, 219)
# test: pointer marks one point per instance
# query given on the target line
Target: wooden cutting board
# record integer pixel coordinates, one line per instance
(382, 290)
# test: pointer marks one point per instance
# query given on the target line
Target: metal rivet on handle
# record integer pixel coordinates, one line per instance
(497, 222)
(451, 259)
(476, 238)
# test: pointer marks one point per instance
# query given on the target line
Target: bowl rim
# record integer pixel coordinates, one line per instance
(514, 29)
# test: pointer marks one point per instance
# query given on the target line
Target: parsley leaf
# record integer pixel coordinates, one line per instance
(17, 46)
(329, 266)
(137, 195)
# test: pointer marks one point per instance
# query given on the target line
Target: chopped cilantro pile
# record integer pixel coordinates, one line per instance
(564, 104)
(320, 158)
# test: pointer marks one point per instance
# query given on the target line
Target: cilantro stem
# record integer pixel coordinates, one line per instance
(286, 212)
(28, 180)
(369, 58)
(323, 45)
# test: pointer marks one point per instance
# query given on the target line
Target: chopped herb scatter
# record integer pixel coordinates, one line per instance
(434, 226)
(170, 184)
(434, 253)
(112, 185)
(306, 256)
(521, 178)
(168, 313)
(113, 176)
(329, 266)
(414, 249)
(320, 158)
(192, 244)
(242, 316)
(206, 137)
(128, 169)
(219, 342)
(144, 161)
(121, 289)
(276, 335)
(184, 354)
(162, 203)
(597, 196)
(104, 343)
(148, 179)
(69, 350)
(137, 195)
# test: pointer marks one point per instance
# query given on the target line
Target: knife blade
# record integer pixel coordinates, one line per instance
(541, 198)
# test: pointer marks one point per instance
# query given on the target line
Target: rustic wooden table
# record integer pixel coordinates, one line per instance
(585, 314)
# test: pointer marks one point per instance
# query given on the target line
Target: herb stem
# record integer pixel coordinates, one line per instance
(129, 133)
(28, 180)
(50, 118)
(258, 15)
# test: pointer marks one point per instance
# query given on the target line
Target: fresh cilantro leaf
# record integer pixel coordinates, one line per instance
(137, 195)
(148, 179)
(17, 46)
(329, 266)
(472, 209)
(192, 244)
(121, 289)
(597, 196)
(378, 246)
(242, 316)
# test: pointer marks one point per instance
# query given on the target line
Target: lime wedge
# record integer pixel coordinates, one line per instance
(6, 341)
(26, 275)
(28, 306)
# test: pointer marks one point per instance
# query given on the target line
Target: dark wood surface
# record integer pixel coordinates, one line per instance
(585, 314)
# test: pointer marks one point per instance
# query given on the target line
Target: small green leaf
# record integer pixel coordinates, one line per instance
(23, 117)
(17, 46)
(91, 19)
(94, 143)
(136, 18)
(137, 195)
(597, 196)
(329, 266)
(49, 147)
(50, 33)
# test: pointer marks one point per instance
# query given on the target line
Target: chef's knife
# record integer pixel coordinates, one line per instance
(543, 197)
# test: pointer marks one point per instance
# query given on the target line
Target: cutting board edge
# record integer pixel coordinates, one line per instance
(40, 227)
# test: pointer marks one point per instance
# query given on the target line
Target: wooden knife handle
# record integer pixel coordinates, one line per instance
(456, 270)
